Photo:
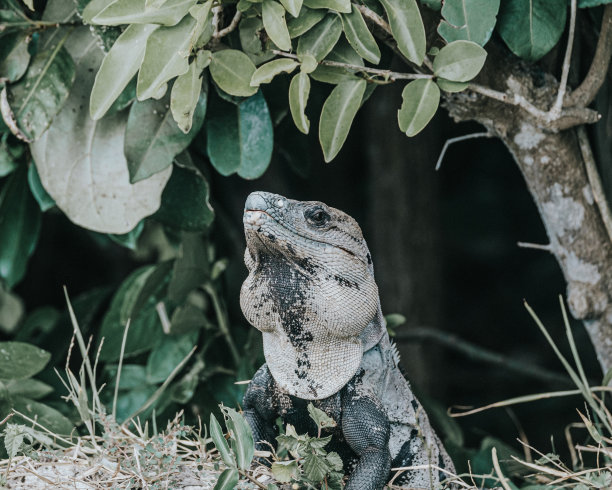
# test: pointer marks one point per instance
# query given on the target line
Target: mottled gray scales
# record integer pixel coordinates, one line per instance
(311, 292)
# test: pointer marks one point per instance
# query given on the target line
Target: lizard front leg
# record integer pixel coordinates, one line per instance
(366, 430)
(259, 409)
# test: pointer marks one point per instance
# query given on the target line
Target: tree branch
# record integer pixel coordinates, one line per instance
(478, 353)
(555, 110)
(386, 74)
(232, 25)
(587, 90)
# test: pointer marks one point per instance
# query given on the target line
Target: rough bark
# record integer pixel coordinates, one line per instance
(554, 170)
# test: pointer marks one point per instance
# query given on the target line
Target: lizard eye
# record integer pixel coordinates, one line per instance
(317, 217)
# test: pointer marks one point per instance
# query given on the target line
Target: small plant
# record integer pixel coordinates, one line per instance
(310, 466)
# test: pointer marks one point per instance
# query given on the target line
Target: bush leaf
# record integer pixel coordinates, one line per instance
(118, 67)
(459, 61)
(359, 36)
(299, 89)
(468, 20)
(273, 16)
(292, 6)
(19, 361)
(186, 93)
(321, 39)
(420, 103)
(343, 6)
(307, 20)
(166, 56)
(265, 73)
(531, 28)
(337, 116)
(152, 138)
(19, 227)
(241, 437)
(216, 433)
(136, 12)
(232, 71)
(81, 162)
(407, 28)
(228, 479)
(40, 94)
(240, 137)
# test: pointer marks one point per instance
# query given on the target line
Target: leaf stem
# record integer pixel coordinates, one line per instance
(555, 111)
(222, 321)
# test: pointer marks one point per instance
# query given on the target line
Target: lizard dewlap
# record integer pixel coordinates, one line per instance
(312, 294)
(310, 291)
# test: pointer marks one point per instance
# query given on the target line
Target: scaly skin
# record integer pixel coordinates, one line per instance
(311, 292)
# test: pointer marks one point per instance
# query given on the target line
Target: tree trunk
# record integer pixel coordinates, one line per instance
(403, 225)
(554, 170)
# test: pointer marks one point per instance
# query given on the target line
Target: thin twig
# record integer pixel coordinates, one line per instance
(375, 18)
(457, 139)
(555, 111)
(512, 99)
(121, 354)
(232, 26)
(386, 74)
(536, 246)
(599, 195)
(502, 479)
(587, 90)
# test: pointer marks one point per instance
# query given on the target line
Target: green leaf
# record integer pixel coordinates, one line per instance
(420, 103)
(216, 433)
(152, 138)
(299, 89)
(44, 200)
(185, 202)
(265, 73)
(29, 388)
(227, 480)
(39, 95)
(14, 56)
(394, 320)
(191, 268)
(93, 8)
(81, 162)
(8, 155)
(531, 28)
(407, 28)
(342, 53)
(19, 227)
(468, 20)
(232, 71)
(136, 12)
(273, 17)
(132, 376)
(166, 56)
(321, 39)
(129, 239)
(292, 6)
(240, 137)
(241, 437)
(14, 439)
(19, 361)
(119, 67)
(145, 327)
(256, 46)
(46, 416)
(186, 93)
(459, 61)
(451, 87)
(337, 116)
(285, 471)
(320, 418)
(334, 460)
(307, 20)
(315, 467)
(167, 355)
(343, 6)
(359, 36)
(11, 311)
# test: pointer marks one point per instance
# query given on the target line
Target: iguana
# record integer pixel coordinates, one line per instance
(312, 294)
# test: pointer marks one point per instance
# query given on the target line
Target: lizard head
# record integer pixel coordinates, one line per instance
(310, 290)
